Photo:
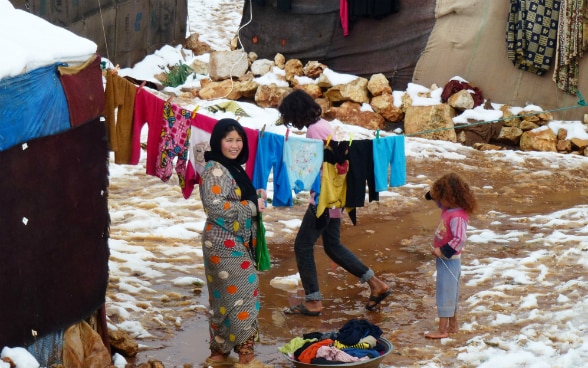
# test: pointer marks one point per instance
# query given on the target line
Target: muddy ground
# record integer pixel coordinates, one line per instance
(392, 237)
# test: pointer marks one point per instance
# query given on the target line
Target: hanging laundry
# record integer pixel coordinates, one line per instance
(389, 162)
(86, 78)
(570, 48)
(270, 152)
(361, 170)
(174, 142)
(148, 109)
(303, 158)
(230, 106)
(118, 110)
(531, 35)
(333, 192)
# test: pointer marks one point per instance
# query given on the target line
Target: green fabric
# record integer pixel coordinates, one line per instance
(262, 255)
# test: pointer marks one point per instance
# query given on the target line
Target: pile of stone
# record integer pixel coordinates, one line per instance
(232, 74)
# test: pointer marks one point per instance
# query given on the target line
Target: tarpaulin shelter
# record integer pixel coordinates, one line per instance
(425, 41)
(125, 30)
(54, 220)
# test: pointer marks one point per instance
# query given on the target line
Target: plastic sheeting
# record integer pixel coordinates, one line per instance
(32, 105)
(312, 31)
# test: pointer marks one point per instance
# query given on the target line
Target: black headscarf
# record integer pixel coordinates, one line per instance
(220, 131)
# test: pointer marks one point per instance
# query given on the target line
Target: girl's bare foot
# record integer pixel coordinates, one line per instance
(452, 328)
(442, 332)
(437, 335)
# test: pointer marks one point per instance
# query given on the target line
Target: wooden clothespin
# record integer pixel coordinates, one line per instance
(193, 115)
(116, 69)
(262, 131)
(170, 98)
(141, 86)
(287, 133)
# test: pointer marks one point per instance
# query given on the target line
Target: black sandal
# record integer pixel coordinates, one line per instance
(376, 300)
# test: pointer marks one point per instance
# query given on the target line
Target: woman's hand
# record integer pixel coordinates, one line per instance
(261, 193)
(260, 204)
(436, 252)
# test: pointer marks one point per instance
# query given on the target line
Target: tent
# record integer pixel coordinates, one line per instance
(427, 42)
(54, 218)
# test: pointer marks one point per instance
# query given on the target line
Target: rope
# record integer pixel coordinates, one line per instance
(581, 103)
(103, 30)
(446, 266)
(242, 47)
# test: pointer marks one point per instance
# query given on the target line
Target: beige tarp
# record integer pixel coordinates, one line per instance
(469, 40)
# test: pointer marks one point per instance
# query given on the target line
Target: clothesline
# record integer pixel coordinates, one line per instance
(178, 137)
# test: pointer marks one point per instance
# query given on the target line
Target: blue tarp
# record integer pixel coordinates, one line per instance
(32, 105)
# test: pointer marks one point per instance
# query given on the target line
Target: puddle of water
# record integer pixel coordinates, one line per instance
(393, 246)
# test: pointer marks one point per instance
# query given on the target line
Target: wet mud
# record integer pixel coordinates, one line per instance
(392, 236)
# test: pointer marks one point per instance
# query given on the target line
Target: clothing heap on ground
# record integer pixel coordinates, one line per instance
(358, 340)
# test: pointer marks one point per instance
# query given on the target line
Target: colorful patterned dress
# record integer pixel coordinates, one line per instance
(227, 240)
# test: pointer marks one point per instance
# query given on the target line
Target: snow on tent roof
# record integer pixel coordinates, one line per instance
(29, 42)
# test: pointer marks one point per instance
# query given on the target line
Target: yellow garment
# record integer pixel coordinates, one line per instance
(294, 344)
(333, 189)
(231, 106)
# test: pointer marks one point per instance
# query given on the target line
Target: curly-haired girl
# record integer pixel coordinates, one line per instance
(457, 201)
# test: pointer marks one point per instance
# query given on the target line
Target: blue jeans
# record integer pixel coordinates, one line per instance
(447, 293)
(330, 231)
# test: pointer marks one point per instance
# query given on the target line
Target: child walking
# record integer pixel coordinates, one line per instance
(456, 201)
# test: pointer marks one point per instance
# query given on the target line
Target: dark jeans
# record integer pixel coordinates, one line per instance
(307, 236)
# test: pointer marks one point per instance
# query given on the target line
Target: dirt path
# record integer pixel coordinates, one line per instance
(391, 236)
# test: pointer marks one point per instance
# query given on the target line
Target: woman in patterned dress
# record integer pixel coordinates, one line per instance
(231, 204)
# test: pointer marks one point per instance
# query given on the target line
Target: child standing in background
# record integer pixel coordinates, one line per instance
(453, 195)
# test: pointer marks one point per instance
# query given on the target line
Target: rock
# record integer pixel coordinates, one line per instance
(261, 66)
(151, 364)
(199, 67)
(227, 64)
(122, 342)
(293, 69)
(430, 122)
(312, 89)
(509, 135)
(461, 100)
(270, 95)
(580, 144)
(486, 147)
(198, 47)
(539, 140)
(350, 113)
(384, 105)
(378, 84)
(355, 91)
(313, 69)
(213, 90)
(280, 61)
(564, 146)
(526, 125)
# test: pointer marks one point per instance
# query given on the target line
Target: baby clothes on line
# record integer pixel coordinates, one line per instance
(270, 152)
(119, 101)
(174, 142)
(389, 154)
(303, 158)
(361, 170)
(148, 109)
